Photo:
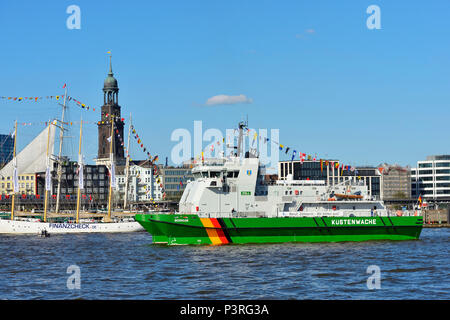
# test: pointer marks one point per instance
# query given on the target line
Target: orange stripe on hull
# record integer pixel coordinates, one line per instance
(214, 231)
(219, 231)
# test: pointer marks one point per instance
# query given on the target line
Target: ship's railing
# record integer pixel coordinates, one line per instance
(321, 213)
(404, 213)
(351, 213)
(231, 214)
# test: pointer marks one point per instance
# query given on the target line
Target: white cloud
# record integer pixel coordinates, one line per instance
(225, 99)
(305, 33)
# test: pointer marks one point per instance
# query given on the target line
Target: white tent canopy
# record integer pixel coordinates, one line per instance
(33, 157)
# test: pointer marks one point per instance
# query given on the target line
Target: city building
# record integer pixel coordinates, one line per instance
(174, 180)
(95, 180)
(27, 184)
(431, 178)
(6, 149)
(395, 182)
(314, 170)
(327, 171)
(142, 183)
(369, 176)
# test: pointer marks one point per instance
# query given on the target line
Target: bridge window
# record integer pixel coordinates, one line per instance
(214, 174)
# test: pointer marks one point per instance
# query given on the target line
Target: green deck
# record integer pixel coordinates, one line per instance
(190, 229)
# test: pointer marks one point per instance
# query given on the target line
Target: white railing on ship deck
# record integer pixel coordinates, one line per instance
(325, 213)
(231, 214)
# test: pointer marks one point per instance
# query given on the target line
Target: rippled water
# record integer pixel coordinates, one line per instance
(128, 266)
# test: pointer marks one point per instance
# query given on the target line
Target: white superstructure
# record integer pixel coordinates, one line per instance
(236, 186)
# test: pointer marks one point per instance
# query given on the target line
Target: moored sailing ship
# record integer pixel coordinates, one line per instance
(49, 223)
(230, 202)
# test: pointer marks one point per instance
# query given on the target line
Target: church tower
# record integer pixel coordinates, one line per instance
(110, 112)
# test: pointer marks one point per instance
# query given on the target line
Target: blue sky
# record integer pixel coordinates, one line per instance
(312, 69)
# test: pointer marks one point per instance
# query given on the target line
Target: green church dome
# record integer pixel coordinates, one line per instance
(110, 81)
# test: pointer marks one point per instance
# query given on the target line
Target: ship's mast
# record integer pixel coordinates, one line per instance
(47, 172)
(127, 165)
(111, 155)
(61, 135)
(80, 171)
(242, 126)
(15, 182)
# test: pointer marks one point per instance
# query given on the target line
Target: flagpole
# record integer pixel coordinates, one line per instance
(47, 172)
(15, 166)
(111, 170)
(80, 168)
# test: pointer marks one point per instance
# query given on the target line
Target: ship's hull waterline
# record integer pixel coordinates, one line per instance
(33, 227)
(185, 229)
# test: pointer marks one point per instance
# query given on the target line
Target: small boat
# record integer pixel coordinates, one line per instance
(44, 234)
(348, 196)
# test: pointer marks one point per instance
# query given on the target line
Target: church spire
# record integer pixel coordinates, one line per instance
(110, 66)
(110, 112)
(110, 87)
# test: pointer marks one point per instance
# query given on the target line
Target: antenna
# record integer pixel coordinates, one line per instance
(242, 125)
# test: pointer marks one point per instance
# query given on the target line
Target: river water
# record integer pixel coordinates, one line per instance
(128, 266)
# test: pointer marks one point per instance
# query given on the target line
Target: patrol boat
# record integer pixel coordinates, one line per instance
(229, 201)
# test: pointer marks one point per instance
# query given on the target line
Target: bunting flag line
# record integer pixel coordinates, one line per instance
(57, 97)
(303, 156)
(35, 99)
(79, 103)
(156, 172)
(45, 123)
(141, 145)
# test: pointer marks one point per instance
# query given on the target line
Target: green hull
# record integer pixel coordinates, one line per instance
(178, 229)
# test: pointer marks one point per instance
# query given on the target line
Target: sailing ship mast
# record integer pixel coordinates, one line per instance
(47, 173)
(80, 172)
(15, 182)
(112, 169)
(61, 135)
(127, 165)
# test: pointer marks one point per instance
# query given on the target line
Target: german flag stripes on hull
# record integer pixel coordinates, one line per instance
(216, 230)
(176, 229)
